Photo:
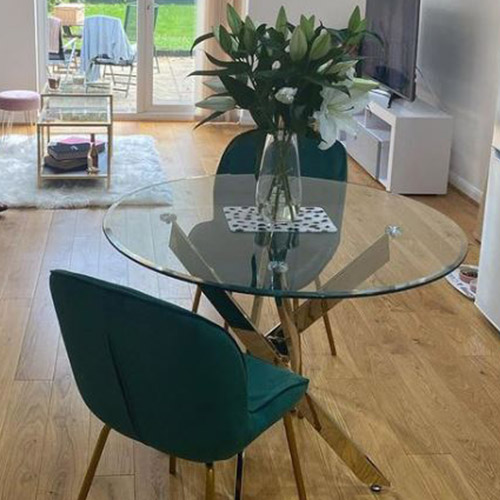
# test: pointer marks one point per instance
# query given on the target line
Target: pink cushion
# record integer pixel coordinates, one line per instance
(19, 100)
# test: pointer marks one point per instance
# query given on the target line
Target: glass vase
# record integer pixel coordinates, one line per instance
(278, 194)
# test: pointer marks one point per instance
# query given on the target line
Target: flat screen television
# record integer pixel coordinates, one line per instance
(392, 62)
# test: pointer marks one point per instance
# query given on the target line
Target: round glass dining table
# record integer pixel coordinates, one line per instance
(351, 241)
(382, 242)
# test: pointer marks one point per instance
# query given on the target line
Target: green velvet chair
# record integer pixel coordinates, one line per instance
(242, 157)
(168, 378)
(243, 153)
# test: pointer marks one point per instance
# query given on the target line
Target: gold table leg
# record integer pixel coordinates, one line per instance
(256, 343)
(292, 336)
(362, 467)
(293, 323)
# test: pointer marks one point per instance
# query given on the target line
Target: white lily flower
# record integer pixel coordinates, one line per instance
(286, 95)
(338, 109)
(344, 69)
(276, 65)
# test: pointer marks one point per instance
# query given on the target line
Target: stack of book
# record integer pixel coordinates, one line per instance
(70, 153)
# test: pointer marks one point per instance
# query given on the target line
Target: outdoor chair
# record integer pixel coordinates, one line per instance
(105, 43)
(61, 56)
(130, 26)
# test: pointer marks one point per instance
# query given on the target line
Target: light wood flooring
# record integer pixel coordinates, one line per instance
(416, 380)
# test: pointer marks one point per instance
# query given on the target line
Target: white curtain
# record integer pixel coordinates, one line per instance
(210, 14)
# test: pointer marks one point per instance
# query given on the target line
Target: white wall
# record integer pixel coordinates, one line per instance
(17, 45)
(459, 56)
(333, 13)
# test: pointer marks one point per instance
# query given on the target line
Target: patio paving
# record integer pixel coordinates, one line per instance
(170, 84)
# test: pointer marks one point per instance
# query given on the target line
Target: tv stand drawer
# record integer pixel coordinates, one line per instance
(368, 149)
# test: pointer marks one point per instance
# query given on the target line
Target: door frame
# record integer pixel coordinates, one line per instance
(146, 109)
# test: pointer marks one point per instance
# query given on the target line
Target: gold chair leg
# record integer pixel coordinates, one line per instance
(292, 445)
(196, 300)
(238, 486)
(210, 482)
(328, 328)
(256, 313)
(172, 465)
(94, 462)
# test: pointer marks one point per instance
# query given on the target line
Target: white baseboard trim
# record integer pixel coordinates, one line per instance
(466, 187)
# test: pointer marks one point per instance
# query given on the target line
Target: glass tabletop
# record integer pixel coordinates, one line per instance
(381, 242)
(77, 104)
(71, 88)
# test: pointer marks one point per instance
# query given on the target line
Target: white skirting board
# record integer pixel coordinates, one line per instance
(465, 187)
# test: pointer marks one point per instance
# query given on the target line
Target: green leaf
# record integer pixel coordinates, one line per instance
(217, 103)
(249, 23)
(236, 68)
(215, 84)
(355, 19)
(241, 93)
(298, 45)
(207, 72)
(307, 26)
(224, 39)
(201, 39)
(356, 39)
(234, 20)
(218, 62)
(321, 46)
(249, 39)
(274, 74)
(282, 21)
(209, 118)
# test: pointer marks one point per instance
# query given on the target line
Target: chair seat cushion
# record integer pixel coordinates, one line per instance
(272, 392)
(19, 100)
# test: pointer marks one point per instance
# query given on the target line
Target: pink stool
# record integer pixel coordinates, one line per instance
(18, 101)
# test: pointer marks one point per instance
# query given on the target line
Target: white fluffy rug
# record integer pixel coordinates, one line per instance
(136, 163)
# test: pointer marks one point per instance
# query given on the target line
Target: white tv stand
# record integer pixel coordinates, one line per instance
(406, 147)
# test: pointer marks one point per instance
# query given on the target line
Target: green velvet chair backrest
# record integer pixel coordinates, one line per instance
(244, 152)
(153, 371)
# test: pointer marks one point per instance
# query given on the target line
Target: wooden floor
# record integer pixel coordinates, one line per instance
(416, 380)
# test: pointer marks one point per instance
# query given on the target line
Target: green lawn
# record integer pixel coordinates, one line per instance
(175, 27)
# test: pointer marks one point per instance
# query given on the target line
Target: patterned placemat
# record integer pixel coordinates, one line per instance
(309, 220)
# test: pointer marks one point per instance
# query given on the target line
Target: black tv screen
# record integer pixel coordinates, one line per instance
(392, 62)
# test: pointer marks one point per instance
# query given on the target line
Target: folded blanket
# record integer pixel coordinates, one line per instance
(55, 37)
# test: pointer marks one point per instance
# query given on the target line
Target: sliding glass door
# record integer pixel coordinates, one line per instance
(169, 28)
(142, 46)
